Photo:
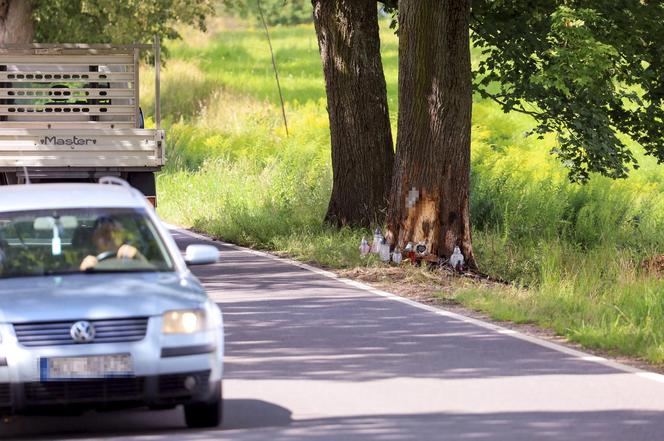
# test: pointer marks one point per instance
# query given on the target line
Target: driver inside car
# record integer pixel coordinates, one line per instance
(108, 240)
(3, 253)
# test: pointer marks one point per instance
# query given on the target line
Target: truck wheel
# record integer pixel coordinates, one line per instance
(143, 181)
(8, 179)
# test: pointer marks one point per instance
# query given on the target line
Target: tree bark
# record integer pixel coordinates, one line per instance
(430, 187)
(361, 137)
(16, 23)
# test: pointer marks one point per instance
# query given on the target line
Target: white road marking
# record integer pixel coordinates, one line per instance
(480, 323)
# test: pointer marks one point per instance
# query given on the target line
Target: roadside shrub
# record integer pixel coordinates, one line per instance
(185, 90)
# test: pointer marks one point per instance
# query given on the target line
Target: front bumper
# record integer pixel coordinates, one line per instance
(107, 394)
(164, 366)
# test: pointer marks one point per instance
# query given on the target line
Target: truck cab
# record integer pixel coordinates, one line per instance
(70, 113)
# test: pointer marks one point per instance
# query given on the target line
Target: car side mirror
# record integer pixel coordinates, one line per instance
(201, 255)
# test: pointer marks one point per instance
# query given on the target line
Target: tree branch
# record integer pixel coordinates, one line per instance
(274, 65)
(519, 109)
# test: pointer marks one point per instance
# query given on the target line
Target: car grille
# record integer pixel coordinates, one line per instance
(97, 391)
(58, 333)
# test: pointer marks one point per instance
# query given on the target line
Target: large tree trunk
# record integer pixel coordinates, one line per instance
(362, 149)
(16, 24)
(429, 197)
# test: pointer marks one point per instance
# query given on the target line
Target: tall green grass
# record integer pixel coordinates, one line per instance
(573, 252)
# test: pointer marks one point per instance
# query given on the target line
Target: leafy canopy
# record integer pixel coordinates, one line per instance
(586, 70)
(113, 21)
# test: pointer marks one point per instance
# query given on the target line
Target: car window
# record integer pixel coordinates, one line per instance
(69, 241)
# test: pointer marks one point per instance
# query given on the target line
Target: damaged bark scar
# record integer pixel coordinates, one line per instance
(426, 227)
(452, 217)
(420, 222)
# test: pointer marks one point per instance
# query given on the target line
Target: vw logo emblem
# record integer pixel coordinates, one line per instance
(82, 332)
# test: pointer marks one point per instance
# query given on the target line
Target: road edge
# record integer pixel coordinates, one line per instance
(436, 310)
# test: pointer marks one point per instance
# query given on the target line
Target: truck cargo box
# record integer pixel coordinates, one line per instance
(71, 112)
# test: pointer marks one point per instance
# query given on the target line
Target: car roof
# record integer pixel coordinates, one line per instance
(72, 195)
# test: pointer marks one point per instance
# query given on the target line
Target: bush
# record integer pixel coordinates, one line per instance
(276, 12)
(185, 90)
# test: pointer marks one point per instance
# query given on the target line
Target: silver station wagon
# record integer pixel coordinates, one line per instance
(98, 309)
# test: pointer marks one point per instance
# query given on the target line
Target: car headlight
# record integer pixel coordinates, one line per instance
(183, 321)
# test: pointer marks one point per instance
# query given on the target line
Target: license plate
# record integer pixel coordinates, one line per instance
(94, 366)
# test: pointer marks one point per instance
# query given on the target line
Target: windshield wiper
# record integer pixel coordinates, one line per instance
(114, 271)
(43, 273)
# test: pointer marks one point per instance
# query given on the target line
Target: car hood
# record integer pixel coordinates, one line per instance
(96, 296)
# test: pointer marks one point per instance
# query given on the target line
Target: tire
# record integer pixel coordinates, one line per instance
(143, 181)
(8, 179)
(208, 413)
(202, 415)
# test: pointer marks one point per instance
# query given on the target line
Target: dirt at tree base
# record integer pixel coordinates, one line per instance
(654, 264)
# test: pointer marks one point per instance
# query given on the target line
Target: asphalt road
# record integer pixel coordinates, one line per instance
(310, 357)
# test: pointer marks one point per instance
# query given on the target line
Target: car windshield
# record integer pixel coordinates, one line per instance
(51, 242)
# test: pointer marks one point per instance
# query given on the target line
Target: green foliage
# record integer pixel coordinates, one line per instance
(276, 12)
(522, 203)
(585, 70)
(615, 309)
(111, 21)
(178, 101)
(260, 188)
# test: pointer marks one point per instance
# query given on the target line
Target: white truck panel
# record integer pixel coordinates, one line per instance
(71, 112)
(81, 148)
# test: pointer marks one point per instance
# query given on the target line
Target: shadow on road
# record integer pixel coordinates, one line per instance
(368, 338)
(504, 426)
(249, 414)
(238, 414)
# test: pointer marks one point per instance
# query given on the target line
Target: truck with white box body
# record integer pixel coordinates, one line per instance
(70, 112)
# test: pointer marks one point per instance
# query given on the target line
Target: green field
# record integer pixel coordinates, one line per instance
(573, 253)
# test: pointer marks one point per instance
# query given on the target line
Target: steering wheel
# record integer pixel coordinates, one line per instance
(105, 255)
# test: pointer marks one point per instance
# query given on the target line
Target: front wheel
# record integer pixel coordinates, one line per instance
(201, 415)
